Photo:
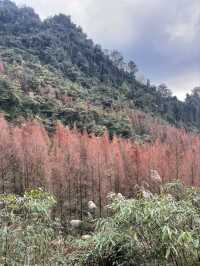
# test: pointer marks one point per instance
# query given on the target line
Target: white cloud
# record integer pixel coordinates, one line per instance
(184, 83)
(107, 21)
(186, 25)
(123, 22)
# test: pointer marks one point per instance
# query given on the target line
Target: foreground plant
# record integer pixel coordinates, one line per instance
(27, 233)
(163, 230)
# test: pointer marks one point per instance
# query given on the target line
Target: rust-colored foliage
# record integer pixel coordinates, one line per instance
(78, 167)
(1, 67)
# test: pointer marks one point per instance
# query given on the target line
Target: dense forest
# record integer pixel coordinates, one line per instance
(51, 70)
(97, 166)
(80, 167)
(108, 202)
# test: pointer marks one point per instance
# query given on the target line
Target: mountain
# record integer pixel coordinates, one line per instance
(51, 70)
(97, 188)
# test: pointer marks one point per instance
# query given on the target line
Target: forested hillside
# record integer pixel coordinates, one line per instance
(50, 70)
(97, 166)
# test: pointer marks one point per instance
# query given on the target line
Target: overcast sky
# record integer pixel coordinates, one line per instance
(161, 36)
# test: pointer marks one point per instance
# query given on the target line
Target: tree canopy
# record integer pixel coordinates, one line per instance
(51, 69)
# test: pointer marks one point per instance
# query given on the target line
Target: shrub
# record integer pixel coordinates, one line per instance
(27, 232)
(158, 231)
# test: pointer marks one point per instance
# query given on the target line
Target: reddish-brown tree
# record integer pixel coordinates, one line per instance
(78, 167)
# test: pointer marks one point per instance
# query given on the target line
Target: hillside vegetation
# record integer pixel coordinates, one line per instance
(51, 70)
(97, 167)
